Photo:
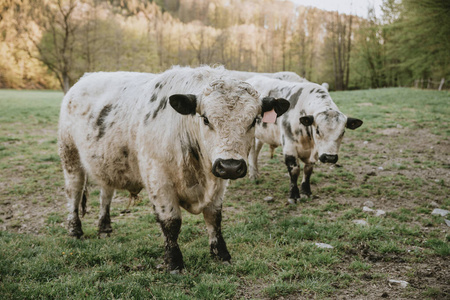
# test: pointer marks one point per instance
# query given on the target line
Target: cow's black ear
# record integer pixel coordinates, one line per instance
(307, 120)
(280, 105)
(184, 104)
(353, 123)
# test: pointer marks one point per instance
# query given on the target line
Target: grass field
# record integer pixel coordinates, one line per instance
(399, 159)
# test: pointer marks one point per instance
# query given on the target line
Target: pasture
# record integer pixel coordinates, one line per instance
(399, 160)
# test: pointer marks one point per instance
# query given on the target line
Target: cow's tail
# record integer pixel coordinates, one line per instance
(84, 198)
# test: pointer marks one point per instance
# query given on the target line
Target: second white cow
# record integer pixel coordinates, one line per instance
(312, 129)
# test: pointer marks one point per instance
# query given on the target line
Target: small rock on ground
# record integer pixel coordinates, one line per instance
(369, 203)
(323, 245)
(360, 222)
(268, 199)
(440, 212)
(380, 213)
(447, 222)
(367, 209)
(434, 204)
(401, 283)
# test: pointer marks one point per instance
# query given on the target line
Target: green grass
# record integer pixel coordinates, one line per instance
(272, 244)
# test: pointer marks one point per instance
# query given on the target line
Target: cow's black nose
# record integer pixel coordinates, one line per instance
(229, 168)
(329, 158)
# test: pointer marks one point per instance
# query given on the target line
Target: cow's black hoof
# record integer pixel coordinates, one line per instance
(105, 228)
(74, 229)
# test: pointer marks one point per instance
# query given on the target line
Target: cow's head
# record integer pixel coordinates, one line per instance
(327, 128)
(227, 111)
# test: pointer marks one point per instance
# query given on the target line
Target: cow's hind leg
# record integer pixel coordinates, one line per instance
(104, 222)
(75, 183)
(253, 159)
(213, 220)
(294, 171)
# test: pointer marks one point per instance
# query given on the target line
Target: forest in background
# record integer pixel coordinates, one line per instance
(52, 43)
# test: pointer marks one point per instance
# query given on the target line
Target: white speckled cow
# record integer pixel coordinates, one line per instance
(285, 75)
(118, 129)
(311, 129)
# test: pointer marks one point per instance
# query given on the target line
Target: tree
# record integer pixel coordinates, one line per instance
(56, 48)
(338, 46)
(422, 35)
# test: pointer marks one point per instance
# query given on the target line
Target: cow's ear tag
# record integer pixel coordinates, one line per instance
(269, 116)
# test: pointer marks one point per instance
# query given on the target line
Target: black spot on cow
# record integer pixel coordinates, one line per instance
(294, 98)
(125, 151)
(161, 106)
(287, 129)
(100, 123)
(286, 91)
(312, 91)
(320, 91)
(146, 117)
(324, 96)
(153, 98)
(191, 148)
(282, 140)
(159, 85)
(258, 121)
(264, 125)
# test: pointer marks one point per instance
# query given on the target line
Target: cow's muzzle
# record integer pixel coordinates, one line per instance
(229, 168)
(329, 158)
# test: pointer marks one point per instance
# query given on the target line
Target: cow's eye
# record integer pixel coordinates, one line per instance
(317, 131)
(205, 120)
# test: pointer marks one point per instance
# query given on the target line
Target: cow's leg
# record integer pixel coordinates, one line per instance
(171, 229)
(75, 181)
(272, 150)
(294, 171)
(213, 220)
(305, 187)
(168, 215)
(104, 222)
(253, 159)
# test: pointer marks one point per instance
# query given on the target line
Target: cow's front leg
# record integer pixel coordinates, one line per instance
(168, 216)
(294, 170)
(104, 222)
(306, 187)
(213, 220)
